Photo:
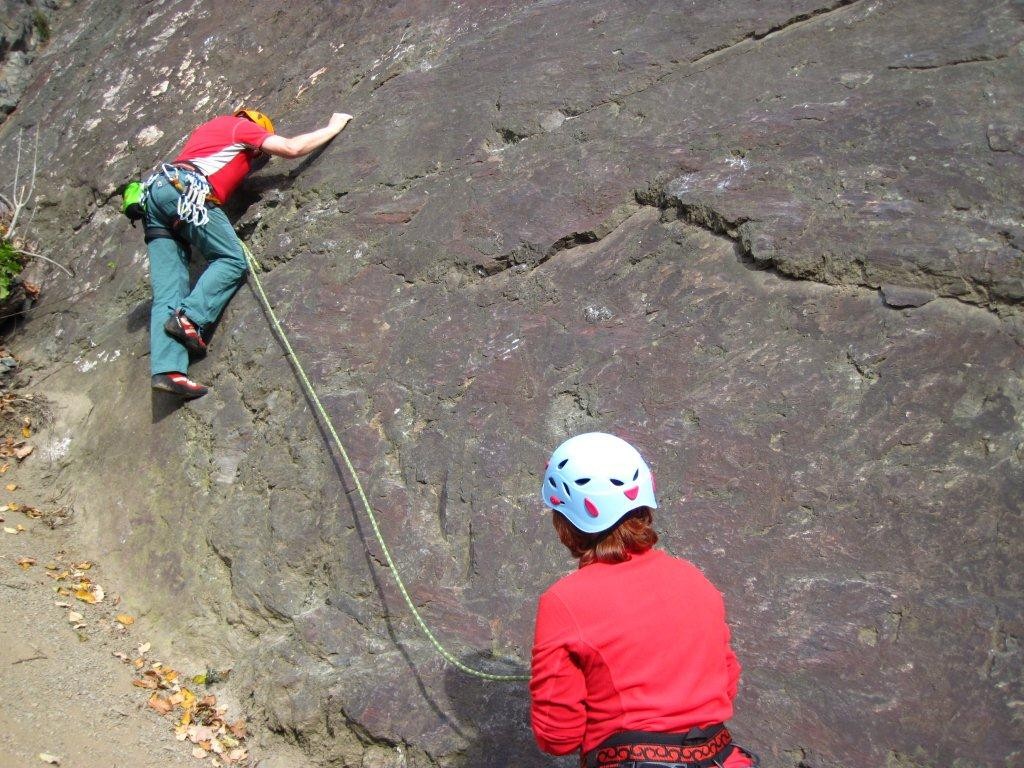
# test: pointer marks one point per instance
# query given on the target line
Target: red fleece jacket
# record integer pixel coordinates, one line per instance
(635, 646)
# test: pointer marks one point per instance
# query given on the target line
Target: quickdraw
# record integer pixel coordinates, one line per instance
(193, 192)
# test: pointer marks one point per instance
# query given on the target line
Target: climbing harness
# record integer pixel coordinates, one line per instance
(697, 748)
(325, 419)
(193, 188)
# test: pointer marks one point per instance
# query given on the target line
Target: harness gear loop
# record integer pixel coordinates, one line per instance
(193, 193)
(325, 419)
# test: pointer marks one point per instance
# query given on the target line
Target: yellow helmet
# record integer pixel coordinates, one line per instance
(257, 117)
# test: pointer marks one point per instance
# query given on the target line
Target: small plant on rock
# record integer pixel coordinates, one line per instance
(14, 248)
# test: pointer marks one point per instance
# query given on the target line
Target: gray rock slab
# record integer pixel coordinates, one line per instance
(672, 221)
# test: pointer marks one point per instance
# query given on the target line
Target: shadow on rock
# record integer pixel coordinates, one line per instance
(494, 715)
(138, 317)
(165, 404)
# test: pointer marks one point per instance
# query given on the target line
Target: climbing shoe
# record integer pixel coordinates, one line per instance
(188, 333)
(178, 384)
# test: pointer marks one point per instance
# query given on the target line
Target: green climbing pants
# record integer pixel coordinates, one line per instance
(169, 276)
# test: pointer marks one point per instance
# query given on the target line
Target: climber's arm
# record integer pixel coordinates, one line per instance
(304, 143)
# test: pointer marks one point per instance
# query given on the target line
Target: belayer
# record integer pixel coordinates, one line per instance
(180, 205)
(632, 663)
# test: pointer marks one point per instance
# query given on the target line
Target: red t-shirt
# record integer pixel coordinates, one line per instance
(224, 149)
(635, 646)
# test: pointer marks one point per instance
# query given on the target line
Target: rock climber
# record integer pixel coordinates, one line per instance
(182, 210)
(632, 663)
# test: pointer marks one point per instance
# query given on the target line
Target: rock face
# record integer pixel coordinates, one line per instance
(777, 245)
(25, 28)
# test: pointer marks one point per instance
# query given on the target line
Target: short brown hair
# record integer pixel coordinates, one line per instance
(632, 535)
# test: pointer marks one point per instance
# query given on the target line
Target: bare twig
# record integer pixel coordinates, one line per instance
(39, 655)
(22, 196)
(47, 259)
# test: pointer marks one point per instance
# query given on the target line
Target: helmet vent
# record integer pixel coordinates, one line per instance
(567, 491)
(562, 463)
(583, 481)
(616, 482)
(553, 483)
(636, 474)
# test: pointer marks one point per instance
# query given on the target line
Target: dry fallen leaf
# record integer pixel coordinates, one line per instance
(26, 563)
(26, 431)
(238, 728)
(51, 759)
(10, 530)
(4, 468)
(74, 616)
(146, 682)
(12, 486)
(160, 704)
(21, 453)
(89, 593)
(122, 656)
(144, 648)
(85, 565)
(125, 619)
(199, 733)
(199, 753)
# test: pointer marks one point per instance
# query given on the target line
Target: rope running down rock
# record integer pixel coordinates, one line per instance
(326, 420)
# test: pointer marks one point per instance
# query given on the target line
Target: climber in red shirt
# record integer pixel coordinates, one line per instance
(632, 664)
(182, 203)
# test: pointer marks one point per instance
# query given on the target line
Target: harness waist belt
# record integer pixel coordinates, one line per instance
(190, 167)
(697, 748)
(187, 165)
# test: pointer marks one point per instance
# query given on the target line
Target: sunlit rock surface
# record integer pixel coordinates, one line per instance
(777, 245)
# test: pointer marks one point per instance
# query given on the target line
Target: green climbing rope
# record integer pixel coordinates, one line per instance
(326, 420)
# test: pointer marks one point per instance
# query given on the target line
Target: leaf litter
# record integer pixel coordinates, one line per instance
(199, 720)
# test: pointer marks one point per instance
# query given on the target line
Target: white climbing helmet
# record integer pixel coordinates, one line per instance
(595, 479)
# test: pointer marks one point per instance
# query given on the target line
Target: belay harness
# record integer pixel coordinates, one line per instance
(194, 193)
(697, 748)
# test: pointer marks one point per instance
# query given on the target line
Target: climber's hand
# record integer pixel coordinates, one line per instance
(338, 121)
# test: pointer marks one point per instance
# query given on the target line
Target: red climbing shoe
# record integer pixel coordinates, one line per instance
(184, 330)
(178, 384)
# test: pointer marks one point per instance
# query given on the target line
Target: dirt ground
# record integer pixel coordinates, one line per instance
(62, 691)
(67, 664)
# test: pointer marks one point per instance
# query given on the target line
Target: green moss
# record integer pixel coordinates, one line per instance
(11, 264)
(42, 25)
